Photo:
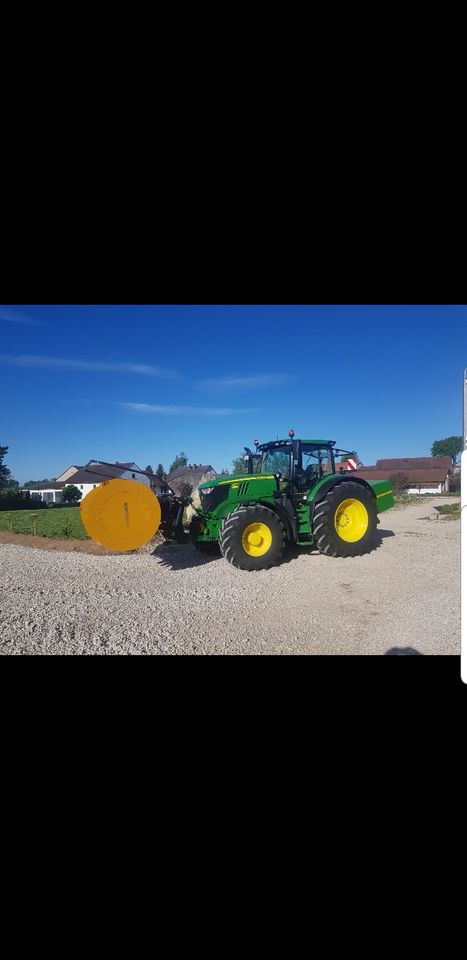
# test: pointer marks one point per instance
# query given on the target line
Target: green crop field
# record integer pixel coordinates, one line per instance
(61, 524)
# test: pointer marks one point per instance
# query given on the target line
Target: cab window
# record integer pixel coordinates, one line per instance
(316, 461)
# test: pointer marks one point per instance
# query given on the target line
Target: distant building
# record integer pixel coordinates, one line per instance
(47, 492)
(191, 475)
(415, 463)
(88, 477)
(424, 474)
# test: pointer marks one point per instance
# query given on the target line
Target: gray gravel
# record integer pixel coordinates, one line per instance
(405, 595)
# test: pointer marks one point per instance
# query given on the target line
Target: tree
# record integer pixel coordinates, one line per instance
(399, 481)
(448, 447)
(5, 475)
(239, 465)
(148, 469)
(71, 494)
(160, 470)
(181, 460)
(185, 489)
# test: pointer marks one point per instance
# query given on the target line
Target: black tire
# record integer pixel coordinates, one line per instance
(231, 538)
(210, 547)
(326, 537)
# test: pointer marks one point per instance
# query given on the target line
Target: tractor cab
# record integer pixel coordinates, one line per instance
(301, 462)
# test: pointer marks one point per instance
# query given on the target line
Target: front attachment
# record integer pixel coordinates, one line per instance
(121, 514)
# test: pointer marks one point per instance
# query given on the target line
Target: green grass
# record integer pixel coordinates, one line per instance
(60, 524)
(451, 510)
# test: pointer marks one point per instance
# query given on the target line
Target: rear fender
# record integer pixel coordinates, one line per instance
(320, 491)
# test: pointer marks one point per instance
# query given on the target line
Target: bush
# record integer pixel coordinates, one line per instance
(20, 503)
(399, 481)
(71, 494)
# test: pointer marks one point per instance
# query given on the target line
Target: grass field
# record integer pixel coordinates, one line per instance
(451, 511)
(60, 524)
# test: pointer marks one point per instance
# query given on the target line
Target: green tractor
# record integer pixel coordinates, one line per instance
(290, 492)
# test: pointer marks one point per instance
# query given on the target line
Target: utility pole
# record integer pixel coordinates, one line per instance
(464, 425)
(464, 540)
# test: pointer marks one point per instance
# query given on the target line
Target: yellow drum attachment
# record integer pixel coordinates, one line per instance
(121, 514)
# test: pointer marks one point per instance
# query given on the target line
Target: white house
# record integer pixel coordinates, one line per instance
(48, 492)
(87, 478)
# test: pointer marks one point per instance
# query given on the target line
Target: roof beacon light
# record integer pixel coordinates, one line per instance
(256, 442)
(291, 433)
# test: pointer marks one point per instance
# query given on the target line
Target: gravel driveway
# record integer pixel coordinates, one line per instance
(405, 594)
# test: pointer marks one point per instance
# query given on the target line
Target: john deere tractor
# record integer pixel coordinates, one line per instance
(290, 492)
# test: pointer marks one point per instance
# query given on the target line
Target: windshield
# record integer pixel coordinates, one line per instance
(276, 461)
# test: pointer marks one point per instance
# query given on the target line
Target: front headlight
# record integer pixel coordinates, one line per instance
(206, 490)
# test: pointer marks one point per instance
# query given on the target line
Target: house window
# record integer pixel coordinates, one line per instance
(133, 476)
(81, 486)
(94, 486)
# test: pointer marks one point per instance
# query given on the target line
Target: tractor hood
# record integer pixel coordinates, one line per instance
(217, 481)
(236, 489)
(237, 479)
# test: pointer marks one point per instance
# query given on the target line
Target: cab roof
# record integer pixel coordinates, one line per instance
(288, 442)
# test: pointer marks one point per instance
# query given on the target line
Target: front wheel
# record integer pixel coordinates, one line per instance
(344, 523)
(252, 538)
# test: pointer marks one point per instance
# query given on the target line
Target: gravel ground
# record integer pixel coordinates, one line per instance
(404, 595)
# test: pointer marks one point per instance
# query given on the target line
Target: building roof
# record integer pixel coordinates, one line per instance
(45, 486)
(98, 472)
(416, 463)
(73, 466)
(191, 472)
(415, 477)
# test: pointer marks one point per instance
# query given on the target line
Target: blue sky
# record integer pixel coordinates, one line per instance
(145, 382)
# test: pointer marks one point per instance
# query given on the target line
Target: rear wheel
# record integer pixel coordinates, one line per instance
(344, 523)
(252, 538)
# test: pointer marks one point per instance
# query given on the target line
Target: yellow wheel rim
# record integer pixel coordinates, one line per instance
(351, 520)
(121, 514)
(256, 539)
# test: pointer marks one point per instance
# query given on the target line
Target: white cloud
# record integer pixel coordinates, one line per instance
(254, 380)
(184, 411)
(72, 363)
(15, 316)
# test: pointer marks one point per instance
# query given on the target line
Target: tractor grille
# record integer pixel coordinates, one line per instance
(209, 501)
